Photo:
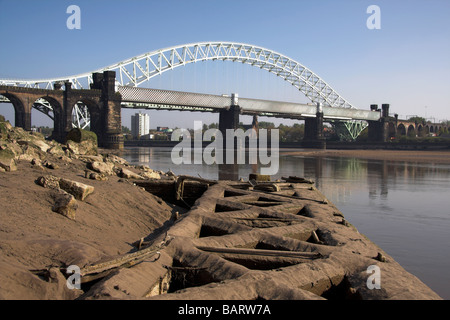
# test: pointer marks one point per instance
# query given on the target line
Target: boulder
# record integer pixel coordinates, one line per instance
(29, 153)
(101, 167)
(72, 146)
(82, 142)
(13, 147)
(35, 143)
(50, 165)
(151, 175)
(90, 158)
(65, 204)
(7, 160)
(51, 182)
(5, 127)
(79, 190)
(128, 174)
(56, 151)
(97, 176)
(115, 159)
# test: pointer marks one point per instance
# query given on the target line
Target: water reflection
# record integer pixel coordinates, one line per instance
(337, 177)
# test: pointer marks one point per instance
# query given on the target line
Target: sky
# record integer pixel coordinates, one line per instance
(405, 63)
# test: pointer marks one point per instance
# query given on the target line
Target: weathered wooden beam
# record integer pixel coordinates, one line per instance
(262, 252)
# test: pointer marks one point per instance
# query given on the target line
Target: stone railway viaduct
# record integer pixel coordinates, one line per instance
(104, 105)
(388, 128)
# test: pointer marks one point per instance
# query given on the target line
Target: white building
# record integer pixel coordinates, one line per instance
(140, 124)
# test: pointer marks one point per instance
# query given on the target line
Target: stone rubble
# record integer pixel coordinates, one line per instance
(18, 145)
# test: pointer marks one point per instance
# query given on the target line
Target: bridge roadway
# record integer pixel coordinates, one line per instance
(145, 98)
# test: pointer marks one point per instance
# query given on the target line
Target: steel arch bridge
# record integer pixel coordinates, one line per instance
(139, 69)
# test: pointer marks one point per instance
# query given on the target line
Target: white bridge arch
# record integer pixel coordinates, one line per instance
(139, 69)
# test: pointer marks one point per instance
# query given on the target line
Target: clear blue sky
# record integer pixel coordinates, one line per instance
(405, 64)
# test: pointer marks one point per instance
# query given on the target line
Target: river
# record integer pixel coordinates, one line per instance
(402, 206)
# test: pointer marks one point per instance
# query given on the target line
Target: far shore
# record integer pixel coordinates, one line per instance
(442, 156)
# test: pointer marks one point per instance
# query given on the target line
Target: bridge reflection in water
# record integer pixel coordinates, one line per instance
(337, 177)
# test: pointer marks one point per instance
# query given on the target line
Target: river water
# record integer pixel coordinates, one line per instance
(402, 206)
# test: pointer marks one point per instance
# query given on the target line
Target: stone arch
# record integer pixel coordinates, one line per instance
(94, 112)
(401, 129)
(411, 132)
(58, 116)
(421, 131)
(20, 118)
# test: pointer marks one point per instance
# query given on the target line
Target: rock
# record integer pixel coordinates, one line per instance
(65, 204)
(51, 182)
(128, 174)
(72, 147)
(79, 190)
(7, 160)
(151, 175)
(65, 159)
(56, 150)
(102, 167)
(380, 257)
(5, 127)
(13, 147)
(35, 143)
(82, 142)
(90, 158)
(170, 173)
(115, 159)
(97, 176)
(29, 153)
(50, 165)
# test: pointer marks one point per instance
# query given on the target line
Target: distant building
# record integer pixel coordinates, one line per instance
(140, 125)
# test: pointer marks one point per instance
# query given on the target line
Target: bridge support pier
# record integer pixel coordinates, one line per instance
(23, 119)
(379, 130)
(229, 119)
(104, 106)
(313, 137)
(112, 137)
(22, 111)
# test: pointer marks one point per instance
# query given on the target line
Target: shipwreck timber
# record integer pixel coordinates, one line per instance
(251, 240)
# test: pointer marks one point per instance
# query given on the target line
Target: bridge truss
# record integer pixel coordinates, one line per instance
(137, 70)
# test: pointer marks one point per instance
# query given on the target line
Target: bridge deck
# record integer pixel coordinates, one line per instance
(145, 98)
